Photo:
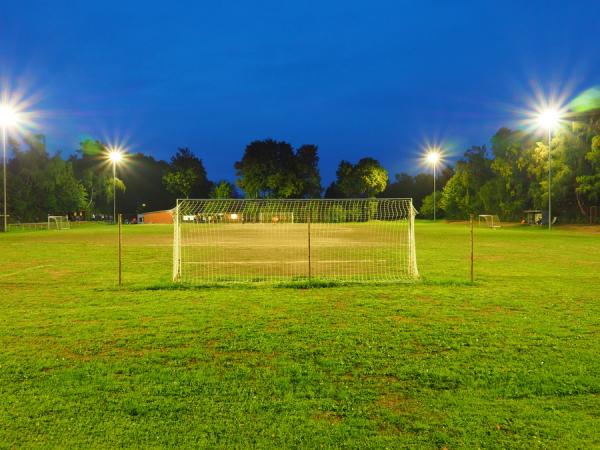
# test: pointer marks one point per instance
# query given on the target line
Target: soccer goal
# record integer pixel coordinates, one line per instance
(58, 223)
(490, 221)
(279, 240)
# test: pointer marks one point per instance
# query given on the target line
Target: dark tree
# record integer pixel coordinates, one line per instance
(367, 178)
(186, 176)
(307, 163)
(40, 185)
(143, 176)
(223, 189)
(333, 191)
(95, 174)
(271, 169)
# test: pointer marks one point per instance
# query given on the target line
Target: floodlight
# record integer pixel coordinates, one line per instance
(115, 155)
(549, 118)
(8, 116)
(433, 157)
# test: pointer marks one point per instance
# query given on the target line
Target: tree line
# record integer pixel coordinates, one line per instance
(505, 179)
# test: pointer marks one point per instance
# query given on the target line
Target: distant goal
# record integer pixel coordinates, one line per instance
(490, 221)
(58, 223)
(278, 240)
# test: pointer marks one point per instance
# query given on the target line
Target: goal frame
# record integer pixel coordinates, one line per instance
(407, 258)
(491, 221)
(58, 221)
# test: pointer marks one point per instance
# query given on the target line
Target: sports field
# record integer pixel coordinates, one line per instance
(511, 361)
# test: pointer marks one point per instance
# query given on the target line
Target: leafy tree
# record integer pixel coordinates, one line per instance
(466, 192)
(510, 168)
(417, 187)
(455, 199)
(367, 178)
(423, 184)
(271, 169)
(110, 186)
(142, 174)
(40, 185)
(333, 191)
(426, 209)
(95, 174)
(186, 176)
(589, 184)
(307, 162)
(402, 186)
(223, 189)
(65, 193)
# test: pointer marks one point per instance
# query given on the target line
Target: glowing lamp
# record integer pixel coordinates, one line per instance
(115, 155)
(8, 116)
(433, 157)
(549, 118)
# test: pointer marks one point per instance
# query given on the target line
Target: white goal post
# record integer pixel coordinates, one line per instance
(490, 220)
(235, 240)
(58, 223)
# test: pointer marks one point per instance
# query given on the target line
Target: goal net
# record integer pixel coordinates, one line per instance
(489, 220)
(58, 223)
(277, 240)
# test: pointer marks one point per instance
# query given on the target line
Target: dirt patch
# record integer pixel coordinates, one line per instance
(328, 417)
(580, 228)
(340, 305)
(399, 404)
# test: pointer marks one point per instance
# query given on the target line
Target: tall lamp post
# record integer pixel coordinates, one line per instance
(115, 155)
(8, 118)
(549, 119)
(433, 157)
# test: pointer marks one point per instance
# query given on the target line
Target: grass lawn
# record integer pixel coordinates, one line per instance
(512, 361)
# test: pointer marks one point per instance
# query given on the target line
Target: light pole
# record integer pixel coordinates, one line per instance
(549, 119)
(115, 155)
(433, 157)
(8, 118)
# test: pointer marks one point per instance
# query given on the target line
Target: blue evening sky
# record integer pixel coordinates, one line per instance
(356, 78)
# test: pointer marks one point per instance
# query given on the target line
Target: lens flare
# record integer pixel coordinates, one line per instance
(115, 155)
(15, 109)
(433, 156)
(9, 117)
(549, 119)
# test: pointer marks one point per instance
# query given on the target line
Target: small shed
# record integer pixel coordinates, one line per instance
(534, 216)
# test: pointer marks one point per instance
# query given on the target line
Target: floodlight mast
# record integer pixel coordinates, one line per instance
(549, 119)
(433, 157)
(115, 155)
(5, 227)
(8, 118)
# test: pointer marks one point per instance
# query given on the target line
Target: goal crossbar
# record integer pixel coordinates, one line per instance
(235, 240)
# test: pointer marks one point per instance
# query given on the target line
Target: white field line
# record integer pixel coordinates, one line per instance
(24, 270)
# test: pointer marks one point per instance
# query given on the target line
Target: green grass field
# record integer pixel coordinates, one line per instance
(511, 361)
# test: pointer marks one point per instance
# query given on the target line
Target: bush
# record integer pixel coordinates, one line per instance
(426, 210)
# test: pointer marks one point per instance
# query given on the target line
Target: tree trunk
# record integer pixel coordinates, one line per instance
(582, 207)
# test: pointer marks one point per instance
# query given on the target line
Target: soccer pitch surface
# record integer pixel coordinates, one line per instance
(511, 361)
